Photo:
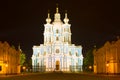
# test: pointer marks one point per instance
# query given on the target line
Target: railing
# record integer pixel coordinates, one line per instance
(72, 68)
(75, 68)
(39, 68)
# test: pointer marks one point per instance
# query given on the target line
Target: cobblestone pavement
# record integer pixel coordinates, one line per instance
(59, 76)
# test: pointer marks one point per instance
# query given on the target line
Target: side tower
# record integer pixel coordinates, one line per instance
(48, 31)
(66, 30)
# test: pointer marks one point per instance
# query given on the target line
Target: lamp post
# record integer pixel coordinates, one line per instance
(6, 65)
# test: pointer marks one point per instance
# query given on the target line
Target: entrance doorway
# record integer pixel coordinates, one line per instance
(57, 65)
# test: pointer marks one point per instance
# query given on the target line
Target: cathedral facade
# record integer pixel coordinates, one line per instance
(57, 53)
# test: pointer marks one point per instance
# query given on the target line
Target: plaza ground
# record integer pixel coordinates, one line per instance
(59, 76)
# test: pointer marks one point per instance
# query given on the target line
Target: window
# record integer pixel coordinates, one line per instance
(76, 54)
(64, 29)
(57, 38)
(70, 53)
(64, 39)
(44, 53)
(0, 68)
(46, 30)
(56, 30)
(57, 50)
(38, 54)
(38, 64)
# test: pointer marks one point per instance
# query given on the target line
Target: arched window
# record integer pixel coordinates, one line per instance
(70, 53)
(57, 50)
(44, 53)
(64, 39)
(57, 38)
(76, 54)
(38, 54)
(64, 29)
(49, 39)
(56, 30)
(37, 64)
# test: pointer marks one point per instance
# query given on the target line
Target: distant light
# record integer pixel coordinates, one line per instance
(107, 64)
(6, 65)
(90, 67)
(24, 67)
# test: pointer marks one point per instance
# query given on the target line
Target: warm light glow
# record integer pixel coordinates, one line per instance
(90, 67)
(24, 67)
(6, 65)
(107, 64)
(106, 58)
(9, 64)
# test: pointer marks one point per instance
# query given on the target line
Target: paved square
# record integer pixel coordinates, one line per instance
(60, 76)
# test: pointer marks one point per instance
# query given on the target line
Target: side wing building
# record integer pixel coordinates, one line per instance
(57, 53)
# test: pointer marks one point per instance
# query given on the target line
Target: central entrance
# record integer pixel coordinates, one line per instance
(57, 65)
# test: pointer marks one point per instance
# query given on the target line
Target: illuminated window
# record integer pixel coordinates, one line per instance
(76, 63)
(49, 39)
(38, 54)
(76, 54)
(64, 39)
(57, 50)
(70, 53)
(0, 68)
(44, 53)
(38, 64)
(57, 38)
(56, 30)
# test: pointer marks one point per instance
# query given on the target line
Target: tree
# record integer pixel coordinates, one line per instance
(88, 61)
(22, 58)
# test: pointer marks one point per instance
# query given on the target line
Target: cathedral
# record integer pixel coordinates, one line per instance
(57, 53)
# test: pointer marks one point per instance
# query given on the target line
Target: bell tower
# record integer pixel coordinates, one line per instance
(47, 30)
(66, 30)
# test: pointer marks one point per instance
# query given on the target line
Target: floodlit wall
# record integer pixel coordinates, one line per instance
(107, 58)
(9, 59)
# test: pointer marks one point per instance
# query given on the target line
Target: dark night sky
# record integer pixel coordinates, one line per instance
(93, 22)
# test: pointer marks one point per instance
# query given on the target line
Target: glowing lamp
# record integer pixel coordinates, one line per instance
(90, 67)
(24, 67)
(107, 64)
(6, 65)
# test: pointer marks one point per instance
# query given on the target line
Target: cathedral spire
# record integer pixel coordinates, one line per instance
(19, 48)
(57, 14)
(66, 20)
(48, 20)
(66, 15)
(48, 15)
(57, 10)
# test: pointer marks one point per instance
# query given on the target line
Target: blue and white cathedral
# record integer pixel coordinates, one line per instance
(57, 53)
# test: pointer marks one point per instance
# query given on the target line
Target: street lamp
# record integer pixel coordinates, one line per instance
(90, 67)
(24, 68)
